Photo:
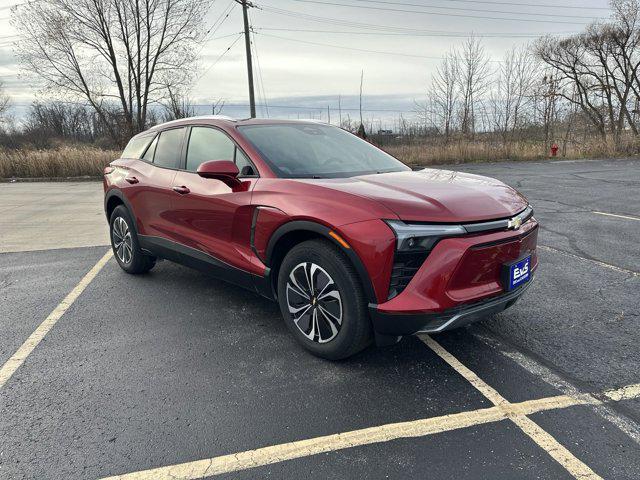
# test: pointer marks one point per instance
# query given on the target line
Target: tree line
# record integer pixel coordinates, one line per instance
(590, 79)
(123, 65)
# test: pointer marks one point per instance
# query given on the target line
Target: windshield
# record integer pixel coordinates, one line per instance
(317, 151)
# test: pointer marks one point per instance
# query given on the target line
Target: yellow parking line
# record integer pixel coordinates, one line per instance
(18, 358)
(383, 433)
(516, 412)
(624, 393)
(536, 433)
(627, 217)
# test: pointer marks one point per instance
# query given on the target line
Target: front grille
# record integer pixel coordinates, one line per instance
(405, 266)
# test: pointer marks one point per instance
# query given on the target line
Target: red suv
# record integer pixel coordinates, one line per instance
(353, 244)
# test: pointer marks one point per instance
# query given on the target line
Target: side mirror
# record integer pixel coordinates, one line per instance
(224, 170)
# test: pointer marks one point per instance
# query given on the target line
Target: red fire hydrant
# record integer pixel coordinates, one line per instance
(554, 149)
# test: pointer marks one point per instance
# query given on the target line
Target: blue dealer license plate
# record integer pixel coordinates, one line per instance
(519, 273)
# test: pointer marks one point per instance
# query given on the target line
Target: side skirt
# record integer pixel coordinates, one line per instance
(199, 260)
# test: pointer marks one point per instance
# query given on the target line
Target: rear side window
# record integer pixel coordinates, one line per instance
(136, 146)
(169, 147)
(208, 144)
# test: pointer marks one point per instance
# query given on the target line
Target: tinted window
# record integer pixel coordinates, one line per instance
(169, 147)
(208, 144)
(306, 150)
(136, 146)
(244, 164)
(148, 155)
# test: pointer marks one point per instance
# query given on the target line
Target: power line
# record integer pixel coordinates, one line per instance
(484, 17)
(215, 26)
(417, 34)
(337, 21)
(320, 109)
(516, 4)
(437, 7)
(396, 54)
(239, 36)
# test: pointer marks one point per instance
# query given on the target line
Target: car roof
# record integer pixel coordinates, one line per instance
(226, 120)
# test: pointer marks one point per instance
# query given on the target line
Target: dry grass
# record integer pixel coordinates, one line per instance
(65, 161)
(464, 151)
(80, 161)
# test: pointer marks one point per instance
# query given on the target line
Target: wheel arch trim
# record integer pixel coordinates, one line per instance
(323, 231)
(117, 193)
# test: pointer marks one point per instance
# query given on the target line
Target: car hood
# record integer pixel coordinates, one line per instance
(433, 195)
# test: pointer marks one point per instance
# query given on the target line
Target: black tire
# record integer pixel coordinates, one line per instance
(354, 332)
(128, 253)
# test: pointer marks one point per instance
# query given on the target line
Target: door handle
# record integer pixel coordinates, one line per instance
(132, 180)
(181, 189)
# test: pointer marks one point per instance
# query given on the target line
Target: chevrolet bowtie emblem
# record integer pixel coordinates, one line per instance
(514, 223)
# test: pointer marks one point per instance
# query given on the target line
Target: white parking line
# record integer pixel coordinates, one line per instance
(628, 426)
(385, 433)
(626, 217)
(596, 262)
(544, 439)
(18, 358)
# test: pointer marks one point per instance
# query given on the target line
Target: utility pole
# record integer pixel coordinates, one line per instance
(247, 42)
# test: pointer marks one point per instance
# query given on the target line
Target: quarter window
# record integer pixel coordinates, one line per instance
(169, 148)
(148, 155)
(136, 146)
(208, 144)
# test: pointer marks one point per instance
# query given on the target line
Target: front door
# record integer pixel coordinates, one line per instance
(207, 215)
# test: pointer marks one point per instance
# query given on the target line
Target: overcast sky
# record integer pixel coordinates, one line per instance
(305, 49)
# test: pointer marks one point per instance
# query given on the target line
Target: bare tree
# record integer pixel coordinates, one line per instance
(217, 106)
(572, 72)
(60, 120)
(177, 106)
(473, 81)
(598, 69)
(121, 53)
(442, 98)
(5, 103)
(545, 98)
(510, 99)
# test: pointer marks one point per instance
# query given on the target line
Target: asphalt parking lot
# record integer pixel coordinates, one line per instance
(175, 375)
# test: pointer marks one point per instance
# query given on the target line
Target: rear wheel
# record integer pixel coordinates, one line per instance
(124, 243)
(322, 301)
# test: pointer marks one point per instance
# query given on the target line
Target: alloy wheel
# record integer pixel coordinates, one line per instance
(121, 237)
(314, 302)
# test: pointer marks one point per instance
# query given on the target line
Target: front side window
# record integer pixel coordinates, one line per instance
(299, 150)
(136, 146)
(169, 148)
(244, 164)
(207, 144)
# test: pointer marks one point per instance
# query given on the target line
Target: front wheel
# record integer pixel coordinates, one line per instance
(124, 243)
(322, 300)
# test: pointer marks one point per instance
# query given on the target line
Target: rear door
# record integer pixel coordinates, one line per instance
(151, 181)
(208, 215)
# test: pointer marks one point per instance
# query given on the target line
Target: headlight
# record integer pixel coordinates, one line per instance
(418, 238)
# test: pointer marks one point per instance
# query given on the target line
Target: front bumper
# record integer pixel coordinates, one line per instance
(410, 323)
